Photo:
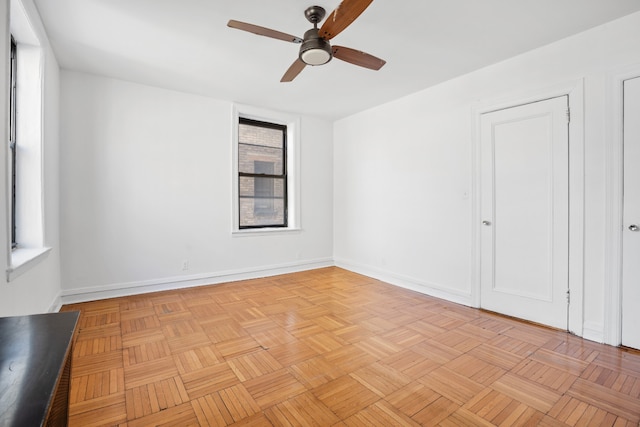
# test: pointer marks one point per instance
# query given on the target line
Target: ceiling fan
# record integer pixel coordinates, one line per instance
(315, 48)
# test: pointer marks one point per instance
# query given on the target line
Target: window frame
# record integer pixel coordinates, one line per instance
(13, 137)
(292, 123)
(282, 176)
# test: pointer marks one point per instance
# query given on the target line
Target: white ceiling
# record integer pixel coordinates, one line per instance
(186, 45)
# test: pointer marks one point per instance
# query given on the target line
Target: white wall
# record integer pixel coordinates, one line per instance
(403, 171)
(146, 180)
(38, 289)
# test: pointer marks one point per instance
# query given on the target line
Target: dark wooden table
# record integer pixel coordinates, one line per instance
(35, 366)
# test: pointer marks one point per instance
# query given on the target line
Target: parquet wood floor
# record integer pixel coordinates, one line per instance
(333, 348)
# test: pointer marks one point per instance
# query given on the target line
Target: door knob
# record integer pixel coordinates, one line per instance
(634, 227)
(488, 223)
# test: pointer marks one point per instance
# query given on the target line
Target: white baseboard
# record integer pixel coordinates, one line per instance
(407, 282)
(592, 331)
(116, 290)
(56, 304)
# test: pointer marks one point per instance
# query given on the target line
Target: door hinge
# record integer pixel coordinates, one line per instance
(568, 296)
(568, 115)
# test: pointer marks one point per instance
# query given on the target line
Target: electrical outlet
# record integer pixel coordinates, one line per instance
(185, 265)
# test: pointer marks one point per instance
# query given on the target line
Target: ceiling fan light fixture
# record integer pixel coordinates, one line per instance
(315, 50)
(315, 57)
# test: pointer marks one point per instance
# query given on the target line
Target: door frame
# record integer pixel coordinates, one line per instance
(614, 175)
(575, 91)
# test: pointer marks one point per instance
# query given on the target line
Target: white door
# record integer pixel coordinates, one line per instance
(525, 211)
(631, 216)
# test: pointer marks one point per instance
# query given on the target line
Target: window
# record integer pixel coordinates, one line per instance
(262, 174)
(12, 139)
(265, 172)
(24, 192)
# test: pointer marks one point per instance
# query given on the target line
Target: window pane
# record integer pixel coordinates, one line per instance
(251, 155)
(249, 217)
(261, 201)
(258, 135)
(258, 187)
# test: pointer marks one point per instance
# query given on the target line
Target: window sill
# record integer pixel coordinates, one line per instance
(23, 260)
(264, 231)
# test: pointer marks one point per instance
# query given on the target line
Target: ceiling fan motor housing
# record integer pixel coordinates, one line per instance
(314, 49)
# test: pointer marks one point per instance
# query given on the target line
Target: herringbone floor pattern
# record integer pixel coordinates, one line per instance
(332, 348)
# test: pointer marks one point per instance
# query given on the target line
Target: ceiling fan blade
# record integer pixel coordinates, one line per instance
(357, 57)
(262, 31)
(342, 17)
(293, 70)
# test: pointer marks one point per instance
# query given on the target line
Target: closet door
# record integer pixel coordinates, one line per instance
(525, 211)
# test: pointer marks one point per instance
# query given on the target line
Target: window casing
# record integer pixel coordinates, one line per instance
(262, 174)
